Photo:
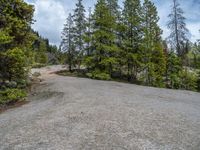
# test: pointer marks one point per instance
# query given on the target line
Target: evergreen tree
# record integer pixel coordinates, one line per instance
(133, 36)
(68, 44)
(113, 7)
(15, 39)
(103, 39)
(173, 70)
(153, 54)
(79, 29)
(118, 31)
(179, 32)
(88, 33)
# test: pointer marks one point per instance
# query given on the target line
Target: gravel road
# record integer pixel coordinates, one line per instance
(67, 113)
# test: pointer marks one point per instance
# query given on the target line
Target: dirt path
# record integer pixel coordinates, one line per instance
(81, 114)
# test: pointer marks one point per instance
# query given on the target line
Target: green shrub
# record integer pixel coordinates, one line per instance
(188, 80)
(11, 95)
(38, 65)
(198, 81)
(89, 75)
(13, 65)
(99, 75)
(43, 58)
(22, 84)
(175, 81)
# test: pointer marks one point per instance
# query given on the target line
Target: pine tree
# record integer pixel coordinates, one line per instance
(158, 60)
(118, 31)
(68, 44)
(113, 7)
(79, 29)
(153, 53)
(88, 33)
(133, 36)
(173, 70)
(177, 25)
(15, 39)
(102, 58)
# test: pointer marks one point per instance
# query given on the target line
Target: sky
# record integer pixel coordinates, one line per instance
(50, 15)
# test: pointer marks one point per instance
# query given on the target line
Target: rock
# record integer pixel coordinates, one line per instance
(35, 80)
(36, 74)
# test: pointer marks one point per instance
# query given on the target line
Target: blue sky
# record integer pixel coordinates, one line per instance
(50, 15)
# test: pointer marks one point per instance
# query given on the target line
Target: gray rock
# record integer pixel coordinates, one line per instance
(36, 74)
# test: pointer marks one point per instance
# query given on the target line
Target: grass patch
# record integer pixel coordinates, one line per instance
(99, 75)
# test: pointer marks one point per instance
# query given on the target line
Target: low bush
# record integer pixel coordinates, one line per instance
(13, 65)
(89, 75)
(188, 80)
(198, 81)
(11, 95)
(38, 65)
(22, 84)
(99, 75)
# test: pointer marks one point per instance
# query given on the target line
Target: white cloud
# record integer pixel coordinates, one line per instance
(49, 16)
(194, 30)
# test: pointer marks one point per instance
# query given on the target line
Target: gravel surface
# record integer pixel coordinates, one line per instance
(67, 113)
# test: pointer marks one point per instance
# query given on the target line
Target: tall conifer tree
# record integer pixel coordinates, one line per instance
(154, 59)
(88, 33)
(133, 36)
(68, 44)
(79, 29)
(113, 7)
(103, 38)
(177, 25)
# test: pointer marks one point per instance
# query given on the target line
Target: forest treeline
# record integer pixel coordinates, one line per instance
(20, 49)
(126, 43)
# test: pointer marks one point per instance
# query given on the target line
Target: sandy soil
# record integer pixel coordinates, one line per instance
(67, 113)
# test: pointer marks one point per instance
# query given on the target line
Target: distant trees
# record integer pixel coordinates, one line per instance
(126, 44)
(179, 74)
(196, 54)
